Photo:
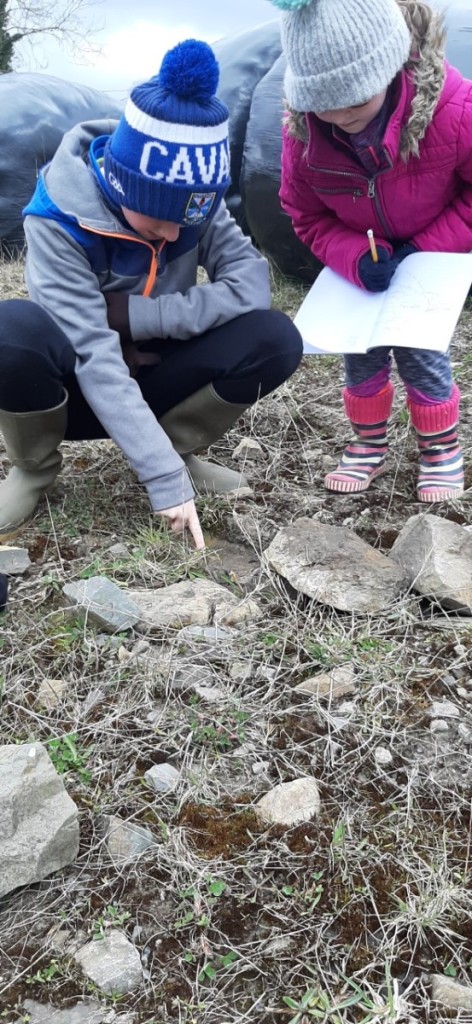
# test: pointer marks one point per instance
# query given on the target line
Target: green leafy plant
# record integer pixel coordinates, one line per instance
(112, 917)
(318, 1005)
(318, 652)
(195, 915)
(67, 756)
(65, 633)
(44, 975)
(375, 644)
(310, 896)
(222, 734)
(210, 970)
(339, 833)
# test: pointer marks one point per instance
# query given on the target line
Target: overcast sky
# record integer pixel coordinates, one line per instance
(136, 34)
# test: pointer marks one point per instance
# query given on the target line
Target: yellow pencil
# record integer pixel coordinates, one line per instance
(373, 247)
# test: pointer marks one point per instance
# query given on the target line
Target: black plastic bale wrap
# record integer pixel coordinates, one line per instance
(243, 61)
(260, 181)
(35, 111)
(3, 591)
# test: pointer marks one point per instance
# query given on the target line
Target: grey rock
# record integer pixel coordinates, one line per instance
(192, 602)
(248, 449)
(239, 671)
(333, 685)
(465, 733)
(337, 723)
(88, 1012)
(210, 634)
(290, 802)
(383, 756)
(163, 777)
(112, 963)
(99, 599)
(124, 840)
(437, 555)
(335, 567)
(39, 821)
(14, 561)
(451, 993)
(444, 709)
(439, 725)
(119, 551)
(50, 693)
(347, 707)
(58, 938)
(245, 611)
(210, 694)
(188, 677)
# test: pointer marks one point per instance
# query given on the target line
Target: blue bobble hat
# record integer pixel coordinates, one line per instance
(341, 52)
(168, 156)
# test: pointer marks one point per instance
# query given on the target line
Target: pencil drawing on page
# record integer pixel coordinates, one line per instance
(419, 310)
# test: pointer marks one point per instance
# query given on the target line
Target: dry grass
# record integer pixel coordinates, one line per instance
(340, 920)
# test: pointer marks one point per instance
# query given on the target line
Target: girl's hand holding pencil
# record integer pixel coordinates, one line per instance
(376, 274)
(377, 266)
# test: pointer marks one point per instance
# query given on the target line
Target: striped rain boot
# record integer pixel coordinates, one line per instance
(441, 473)
(365, 456)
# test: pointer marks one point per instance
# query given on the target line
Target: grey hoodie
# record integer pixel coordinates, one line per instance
(72, 236)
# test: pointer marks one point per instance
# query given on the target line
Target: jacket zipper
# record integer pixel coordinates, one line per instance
(152, 275)
(372, 194)
(356, 192)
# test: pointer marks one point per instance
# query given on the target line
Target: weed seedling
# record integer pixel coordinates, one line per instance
(112, 918)
(66, 756)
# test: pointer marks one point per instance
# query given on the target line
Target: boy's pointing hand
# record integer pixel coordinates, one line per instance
(183, 517)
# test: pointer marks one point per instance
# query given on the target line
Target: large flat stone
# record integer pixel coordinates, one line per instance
(335, 567)
(437, 555)
(102, 601)
(112, 963)
(89, 1012)
(39, 821)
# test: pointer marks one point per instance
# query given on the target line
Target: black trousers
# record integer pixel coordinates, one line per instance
(244, 360)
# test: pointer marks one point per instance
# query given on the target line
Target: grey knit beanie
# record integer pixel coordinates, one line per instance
(341, 53)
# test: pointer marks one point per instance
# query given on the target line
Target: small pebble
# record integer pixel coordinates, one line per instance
(383, 755)
(163, 777)
(444, 709)
(439, 725)
(465, 733)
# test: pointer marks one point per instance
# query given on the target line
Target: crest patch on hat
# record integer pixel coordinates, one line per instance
(199, 206)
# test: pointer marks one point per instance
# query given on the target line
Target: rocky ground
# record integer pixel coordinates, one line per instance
(214, 916)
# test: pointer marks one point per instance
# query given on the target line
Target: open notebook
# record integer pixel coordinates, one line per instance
(420, 309)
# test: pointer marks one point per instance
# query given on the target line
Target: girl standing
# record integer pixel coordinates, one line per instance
(378, 135)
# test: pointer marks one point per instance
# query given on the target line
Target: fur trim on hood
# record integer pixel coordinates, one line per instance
(426, 66)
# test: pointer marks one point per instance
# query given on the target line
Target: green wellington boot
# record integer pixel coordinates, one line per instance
(32, 442)
(197, 422)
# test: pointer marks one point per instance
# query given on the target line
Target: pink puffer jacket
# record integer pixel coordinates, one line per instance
(427, 200)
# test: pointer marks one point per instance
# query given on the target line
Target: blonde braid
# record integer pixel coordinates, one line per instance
(426, 64)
